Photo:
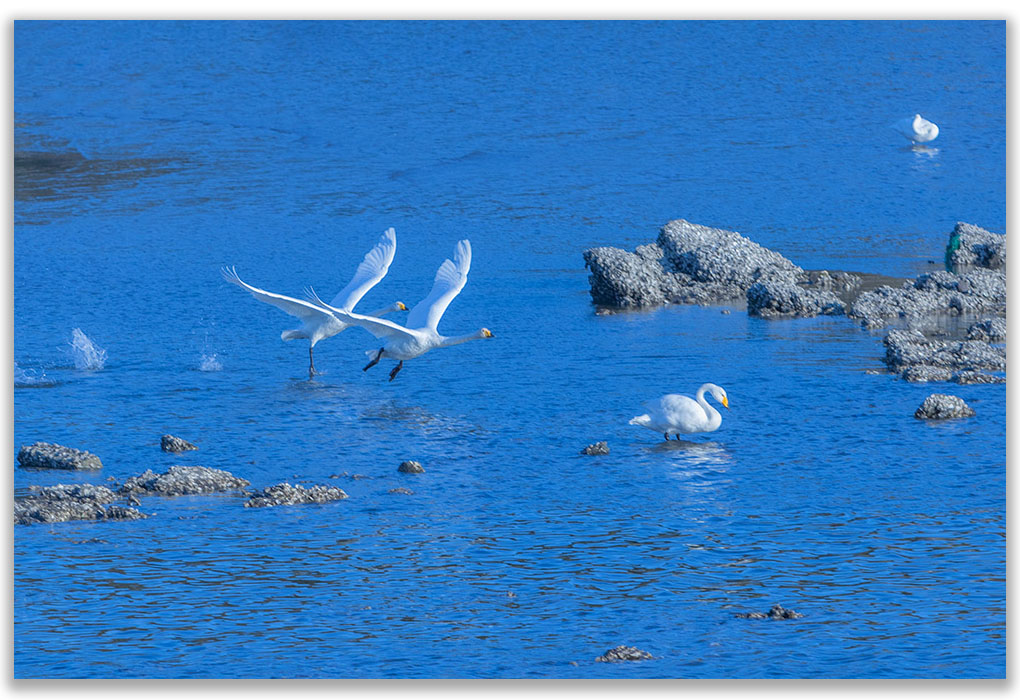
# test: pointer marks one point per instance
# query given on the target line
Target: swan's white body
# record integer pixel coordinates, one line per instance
(317, 323)
(420, 333)
(917, 129)
(673, 414)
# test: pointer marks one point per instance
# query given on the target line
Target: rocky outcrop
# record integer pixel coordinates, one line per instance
(920, 358)
(940, 292)
(64, 502)
(776, 612)
(943, 406)
(286, 495)
(971, 245)
(991, 330)
(777, 298)
(170, 443)
(44, 455)
(598, 448)
(629, 280)
(182, 481)
(624, 653)
(411, 467)
(927, 373)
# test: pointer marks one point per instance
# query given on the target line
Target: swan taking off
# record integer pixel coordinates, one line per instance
(316, 323)
(917, 129)
(675, 413)
(420, 333)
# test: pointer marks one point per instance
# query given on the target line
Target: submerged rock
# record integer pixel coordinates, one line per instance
(776, 612)
(942, 406)
(44, 455)
(182, 481)
(170, 443)
(971, 245)
(411, 467)
(624, 653)
(990, 329)
(927, 373)
(598, 448)
(286, 495)
(401, 489)
(908, 348)
(777, 298)
(64, 502)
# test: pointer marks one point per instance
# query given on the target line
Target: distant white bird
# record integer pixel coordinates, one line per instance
(420, 333)
(316, 323)
(917, 129)
(675, 413)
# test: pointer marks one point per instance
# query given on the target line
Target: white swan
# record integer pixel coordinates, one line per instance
(316, 323)
(675, 413)
(917, 129)
(420, 333)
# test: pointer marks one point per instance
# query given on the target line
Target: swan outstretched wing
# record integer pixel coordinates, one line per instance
(450, 279)
(379, 327)
(372, 269)
(304, 310)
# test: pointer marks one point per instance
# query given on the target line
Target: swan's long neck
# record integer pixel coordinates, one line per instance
(383, 311)
(458, 339)
(714, 418)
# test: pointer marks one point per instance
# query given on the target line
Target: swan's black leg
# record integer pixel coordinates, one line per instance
(393, 372)
(311, 363)
(666, 435)
(374, 362)
(678, 437)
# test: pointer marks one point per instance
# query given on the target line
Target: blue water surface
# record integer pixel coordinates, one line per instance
(148, 154)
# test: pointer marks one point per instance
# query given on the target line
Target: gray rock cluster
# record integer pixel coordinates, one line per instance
(598, 448)
(286, 495)
(64, 502)
(689, 264)
(170, 443)
(624, 653)
(776, 612)
(922, 359)
(411, 467)
(778, 298)
(182, 481)
(976, 291)
(977, 247)
(943, 406)
(992, 330)
(44, 455)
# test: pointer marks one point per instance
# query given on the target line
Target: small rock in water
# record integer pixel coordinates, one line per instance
(598, 448)
(170, 443)
(411, 467)
(286, 495)
(624, 653)
(44, 455)
(182, 481)
(401, 489)
(942, 406)
(776, 612)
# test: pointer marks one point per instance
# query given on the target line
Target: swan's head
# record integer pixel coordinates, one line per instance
(400, 306)
(485, 333)
(719, 394)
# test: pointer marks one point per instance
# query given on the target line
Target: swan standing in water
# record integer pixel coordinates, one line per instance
(316, 323)
(917, 129)
(420, 334)
(675, 413)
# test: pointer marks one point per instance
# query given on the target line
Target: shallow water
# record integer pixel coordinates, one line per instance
(151, 154)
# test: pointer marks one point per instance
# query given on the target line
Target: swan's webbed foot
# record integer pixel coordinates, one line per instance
(374, 362)
(393, 372)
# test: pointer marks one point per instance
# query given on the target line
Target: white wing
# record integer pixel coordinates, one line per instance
(379, 327)
(450, 280)
(372, 269)
(304, 310)
(679, 410)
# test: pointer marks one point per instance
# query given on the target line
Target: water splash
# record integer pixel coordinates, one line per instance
(29, 378)
(209, 363)
(87, 355)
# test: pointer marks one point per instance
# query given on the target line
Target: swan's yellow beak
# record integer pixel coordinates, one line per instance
(726, 402)
(486, 333)
(400, 305)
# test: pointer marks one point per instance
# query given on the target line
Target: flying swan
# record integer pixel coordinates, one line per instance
(917, 129)
(420, 333)
(676, 413)
(316, 323)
